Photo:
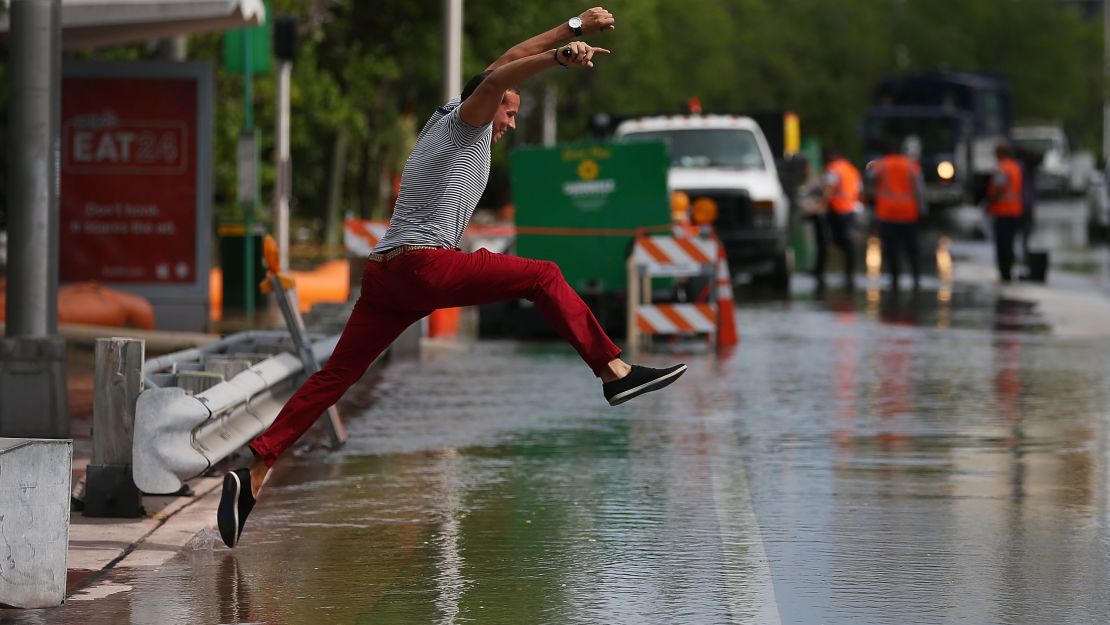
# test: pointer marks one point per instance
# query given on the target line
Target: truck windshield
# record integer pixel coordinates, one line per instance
(707, 147)
(937, 134)
(1036, 145)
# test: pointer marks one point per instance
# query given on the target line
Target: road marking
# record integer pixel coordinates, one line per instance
(749, 585)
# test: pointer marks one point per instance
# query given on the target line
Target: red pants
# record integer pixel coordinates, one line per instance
(402, 290)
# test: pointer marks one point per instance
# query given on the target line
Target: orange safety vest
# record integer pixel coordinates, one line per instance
(1006, 202)
(845, 195)
(895, 196)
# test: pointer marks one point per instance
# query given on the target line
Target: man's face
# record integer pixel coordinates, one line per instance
(506, 115)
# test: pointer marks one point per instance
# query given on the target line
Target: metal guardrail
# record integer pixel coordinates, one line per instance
(179, 435)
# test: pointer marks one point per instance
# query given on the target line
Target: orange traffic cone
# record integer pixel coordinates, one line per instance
(444, 323)
(726, 321)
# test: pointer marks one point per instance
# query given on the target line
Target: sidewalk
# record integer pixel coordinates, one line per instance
(1074, 305)
(99, 544)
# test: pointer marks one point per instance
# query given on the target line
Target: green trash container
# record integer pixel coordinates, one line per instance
(232, 263)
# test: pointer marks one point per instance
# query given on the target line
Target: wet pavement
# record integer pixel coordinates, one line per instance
(858, 459)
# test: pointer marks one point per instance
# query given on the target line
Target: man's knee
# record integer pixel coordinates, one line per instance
(548, 275)
(549, 271)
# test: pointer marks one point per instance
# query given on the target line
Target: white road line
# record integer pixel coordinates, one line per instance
(750, 587)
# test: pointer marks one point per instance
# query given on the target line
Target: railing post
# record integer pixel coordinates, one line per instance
(110, 490)
(633, 335)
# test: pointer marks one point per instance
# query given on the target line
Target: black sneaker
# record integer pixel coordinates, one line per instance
(639, 381)
(236, 503)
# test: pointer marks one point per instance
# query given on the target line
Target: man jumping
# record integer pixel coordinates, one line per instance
(417, 267)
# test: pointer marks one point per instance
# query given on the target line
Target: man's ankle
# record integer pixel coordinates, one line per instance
(614, 370)
(259, 471)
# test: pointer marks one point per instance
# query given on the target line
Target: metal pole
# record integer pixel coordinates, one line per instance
(452, 48)
(32, 309)
(33, 400)
(632, 339)
(283, 181)
(550, 103)
(1106, 79)
(248, 206)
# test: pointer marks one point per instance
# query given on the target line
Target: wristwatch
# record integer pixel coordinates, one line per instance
(575, 24)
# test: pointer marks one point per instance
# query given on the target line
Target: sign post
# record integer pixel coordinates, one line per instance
(247, 51)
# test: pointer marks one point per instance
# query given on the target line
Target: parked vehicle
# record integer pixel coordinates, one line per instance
(725, 161)
(1059, 169)
(957, 119)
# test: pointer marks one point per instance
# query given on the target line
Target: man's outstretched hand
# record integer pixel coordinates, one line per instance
(579, 53)
(596, 20)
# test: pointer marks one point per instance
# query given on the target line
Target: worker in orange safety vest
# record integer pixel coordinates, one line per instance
(1004, 204)
(898, 199)
(842, 186)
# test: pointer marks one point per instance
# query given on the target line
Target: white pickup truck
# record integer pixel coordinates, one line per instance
(726, 159)
(1060, 170)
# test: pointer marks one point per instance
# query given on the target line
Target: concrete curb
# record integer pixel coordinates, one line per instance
(98, 545)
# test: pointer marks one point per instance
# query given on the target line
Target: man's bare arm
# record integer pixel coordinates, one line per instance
(594, 20)
(480, 108)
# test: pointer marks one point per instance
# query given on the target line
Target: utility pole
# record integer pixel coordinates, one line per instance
(285, 49)
(1106, 79)
(33, 399)
(282, 186)
(550, 105)
(248, 182)
(452, 48)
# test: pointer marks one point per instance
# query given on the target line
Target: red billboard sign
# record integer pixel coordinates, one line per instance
(129, 180)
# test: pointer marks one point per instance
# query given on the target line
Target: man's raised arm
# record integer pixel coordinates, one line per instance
(480, 108)
(592, 21)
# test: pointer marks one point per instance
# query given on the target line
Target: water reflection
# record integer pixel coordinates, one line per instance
(234, 593)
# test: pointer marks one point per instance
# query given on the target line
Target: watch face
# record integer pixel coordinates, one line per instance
(575, 22)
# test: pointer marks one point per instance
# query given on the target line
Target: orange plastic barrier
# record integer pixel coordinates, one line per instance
(216, 294)
(90, 303)
(330, 282)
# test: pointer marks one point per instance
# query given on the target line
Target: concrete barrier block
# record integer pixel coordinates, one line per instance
(34, 520)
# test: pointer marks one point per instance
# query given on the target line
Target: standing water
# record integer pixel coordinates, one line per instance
(862, 460)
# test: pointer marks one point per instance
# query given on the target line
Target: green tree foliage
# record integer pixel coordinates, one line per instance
(372, 71)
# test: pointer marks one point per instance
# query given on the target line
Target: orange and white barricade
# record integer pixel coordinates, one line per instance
(360, 236)
(679, 257)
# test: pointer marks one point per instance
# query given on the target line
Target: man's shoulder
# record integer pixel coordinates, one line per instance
(447, 107)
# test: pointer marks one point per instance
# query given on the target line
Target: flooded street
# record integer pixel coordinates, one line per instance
(856, 460)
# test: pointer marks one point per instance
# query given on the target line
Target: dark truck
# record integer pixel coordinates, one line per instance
(953, 120)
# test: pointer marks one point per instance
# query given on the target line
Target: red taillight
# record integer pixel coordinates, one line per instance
(763, 205)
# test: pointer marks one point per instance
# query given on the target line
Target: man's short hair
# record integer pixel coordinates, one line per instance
(1003, 150)
(472, 85)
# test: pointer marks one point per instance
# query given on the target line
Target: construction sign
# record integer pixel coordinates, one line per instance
(581, 206)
